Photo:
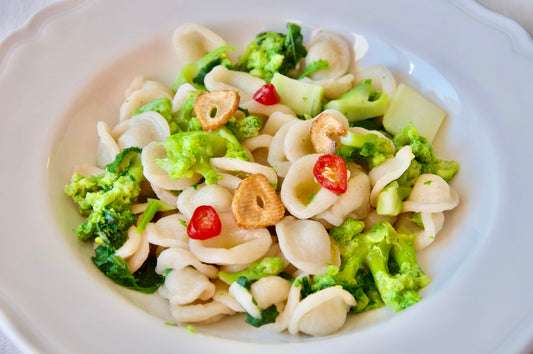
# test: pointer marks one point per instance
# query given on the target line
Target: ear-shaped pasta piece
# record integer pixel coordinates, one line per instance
(432, 222)
(158, 176)
(389, 171)
(257, 142)
(135, 250)
(146, 93)
(192, 41)
(270, 290)
(234, 245)
(213, 194)
(373, 218)
(321, 313)
(107, 146)
(186, 285)
(199, 313)
(276, 154)
(223, 296)
(334, 88)
(179, 258)
(382, 78)
(354, 202)
(181, 96)
(306, 244)
(141, 129)
(255, 107)
(140, 82)
(240, 166)
(300, 194)
(245, 299)
(431, 194)
(333, 48)
(297, 142)
(293, 299)
(164, 195)
(229, 181)
(275, 121)
(169, 231)
(221, 78)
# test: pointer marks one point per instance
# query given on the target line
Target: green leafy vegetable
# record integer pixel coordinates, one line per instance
(313, 67)
(272, 52)
(268, 315)
(255, 271)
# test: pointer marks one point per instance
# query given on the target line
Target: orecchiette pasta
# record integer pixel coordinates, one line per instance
(146, 93)
(306, 244)
(192, 41)
(141, 130)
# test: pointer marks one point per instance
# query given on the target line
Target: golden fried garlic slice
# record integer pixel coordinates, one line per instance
(213, 109)
(306, 245)
(256, 203)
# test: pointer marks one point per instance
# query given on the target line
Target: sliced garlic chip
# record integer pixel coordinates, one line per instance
(306, 245)
(322, 313)
(213, 109)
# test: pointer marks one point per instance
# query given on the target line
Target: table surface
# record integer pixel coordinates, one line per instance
(14, 14)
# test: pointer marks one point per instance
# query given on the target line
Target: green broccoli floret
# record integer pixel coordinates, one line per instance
(255, 271)
(162, 106)
(369, 148)
(423, 151)
(189, 153)
(194, 73)
(183, 119)
(361, 102)
(106, 199)
(272, 52)
(378, 266)
(246, 127)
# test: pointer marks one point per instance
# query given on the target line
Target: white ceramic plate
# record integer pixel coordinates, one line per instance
(69, 68)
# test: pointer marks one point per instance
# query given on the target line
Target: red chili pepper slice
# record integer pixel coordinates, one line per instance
(330, 171)
(204, 223)
(267, 95)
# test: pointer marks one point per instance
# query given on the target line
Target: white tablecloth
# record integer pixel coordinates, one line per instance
(16, 13)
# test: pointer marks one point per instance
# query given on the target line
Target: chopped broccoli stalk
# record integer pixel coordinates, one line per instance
(423, 151)
(361, 102)
(313, 67)
(377, 267)
(255, 271)
(153, 207)
(272, 52)
(389, 200)
(369, 148)
(268, 315)
(145, 279)
(302, 97)
(106, 199)
(194, 73)
(189, 153)
(183, 120)
(246, 127)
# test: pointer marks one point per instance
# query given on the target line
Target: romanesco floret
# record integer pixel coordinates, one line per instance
(246, 127)
(378, 266)
(369, 148)
(424, 155)
(106, 199)
(272, 52)
(189, 153)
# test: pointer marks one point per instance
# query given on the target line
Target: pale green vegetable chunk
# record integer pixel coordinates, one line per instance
(302, 97)
(408, 106)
